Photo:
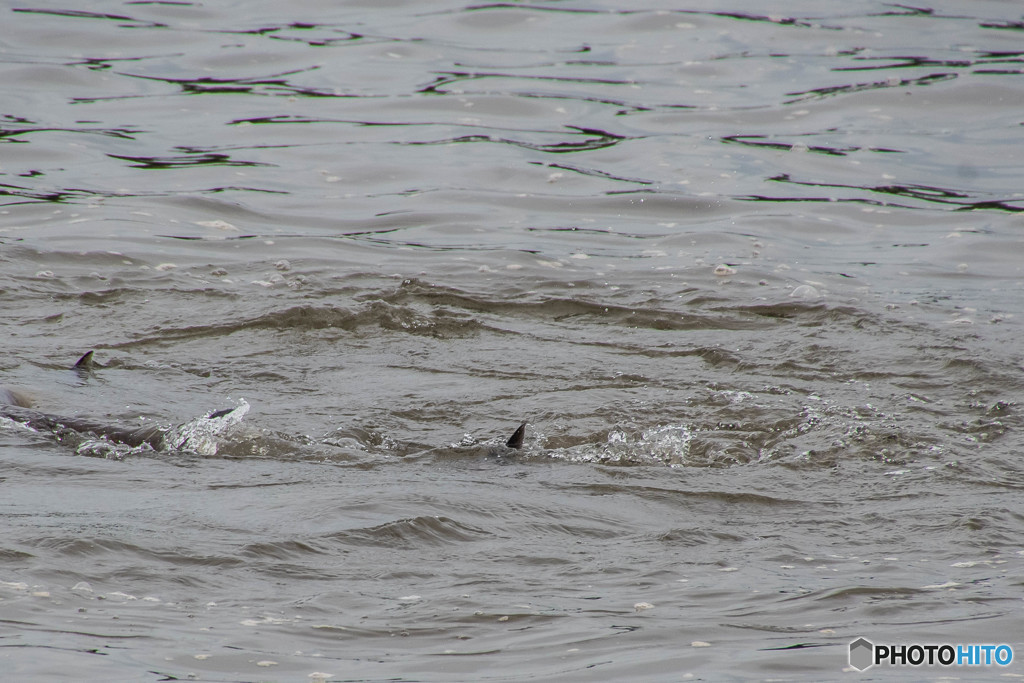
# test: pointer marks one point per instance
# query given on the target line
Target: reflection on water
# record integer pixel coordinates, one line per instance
(654, 83)
(936, 195)
(751, 278)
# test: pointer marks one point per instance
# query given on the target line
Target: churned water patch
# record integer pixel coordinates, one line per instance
(201, 435)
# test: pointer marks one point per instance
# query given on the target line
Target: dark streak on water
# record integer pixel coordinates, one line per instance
(752, 277)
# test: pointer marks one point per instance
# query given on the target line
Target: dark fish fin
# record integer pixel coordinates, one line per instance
(85, 362)
(218, 413)
(516, 440)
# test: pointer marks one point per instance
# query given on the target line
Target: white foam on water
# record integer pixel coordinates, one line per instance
(200, 435)
(102, 448)
(660, 445)
(14, 585)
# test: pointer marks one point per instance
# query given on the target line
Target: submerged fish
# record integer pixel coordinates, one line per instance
(17, 406)
(198, 435)
(61, 425)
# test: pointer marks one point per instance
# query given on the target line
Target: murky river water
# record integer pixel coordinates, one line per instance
(753, 278)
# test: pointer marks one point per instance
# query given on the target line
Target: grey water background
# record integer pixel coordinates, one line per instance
(751, 272)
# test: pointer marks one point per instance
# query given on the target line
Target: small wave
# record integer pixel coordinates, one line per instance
(412, 532)
(279, 550)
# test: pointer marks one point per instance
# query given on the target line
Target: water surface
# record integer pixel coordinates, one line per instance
(752, 278)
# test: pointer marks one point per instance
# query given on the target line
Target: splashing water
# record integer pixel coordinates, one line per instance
(661, 445)
(200, 435)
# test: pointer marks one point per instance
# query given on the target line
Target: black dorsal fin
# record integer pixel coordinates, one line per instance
(85, 362)
(516, 440)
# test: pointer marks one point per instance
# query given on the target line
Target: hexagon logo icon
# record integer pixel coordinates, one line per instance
(862, 653)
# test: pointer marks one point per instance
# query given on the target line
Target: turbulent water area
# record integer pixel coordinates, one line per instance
(751, 273)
